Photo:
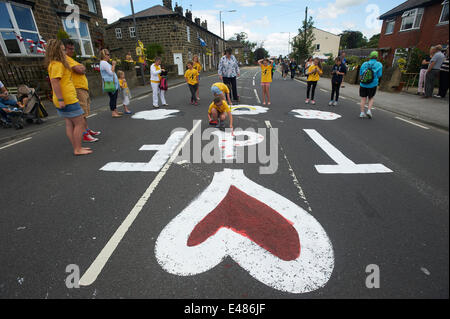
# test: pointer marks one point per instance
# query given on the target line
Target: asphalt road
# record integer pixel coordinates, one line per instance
(57, 209)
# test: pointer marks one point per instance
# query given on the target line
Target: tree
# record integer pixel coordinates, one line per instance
(261, 53)
(302, 45)
(153, 50)
(352, 39)
(373, 42)
(243, 38)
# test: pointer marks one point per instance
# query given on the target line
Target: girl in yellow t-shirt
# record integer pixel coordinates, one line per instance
(199, 68)
(191, 77)
(124, 91)
(313, 72)
(65, 95)
(266, 78)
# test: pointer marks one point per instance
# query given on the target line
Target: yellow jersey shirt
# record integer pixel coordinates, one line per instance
(198, 67)
(223, 87)
(266, 73)
(191, 76)
(315, 76)
(221, 109)
(123, 84)
(57, 70)
(79, 80)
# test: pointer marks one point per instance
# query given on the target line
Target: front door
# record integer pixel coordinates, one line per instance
(178, 60)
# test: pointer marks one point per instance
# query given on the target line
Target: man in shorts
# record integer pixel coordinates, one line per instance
(81, 85)
(367, 90)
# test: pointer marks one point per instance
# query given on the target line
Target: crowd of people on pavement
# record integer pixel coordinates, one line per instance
(434, 68)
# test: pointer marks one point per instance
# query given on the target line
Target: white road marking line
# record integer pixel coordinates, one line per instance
(96, 267)
(257, 97)
(421, 126)
(300, 82)
(343, 164)
(143, 97)
(323, 90)
(92, 115)
(301, 193)
(14, 143)
(253, 82)
(343, 97)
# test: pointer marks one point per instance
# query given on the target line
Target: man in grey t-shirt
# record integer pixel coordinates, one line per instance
(433, 70)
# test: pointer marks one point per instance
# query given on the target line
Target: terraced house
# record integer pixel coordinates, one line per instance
(25, 26)
(180, 35)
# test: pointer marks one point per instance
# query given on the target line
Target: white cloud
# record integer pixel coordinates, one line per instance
(337, 8)
(111, 14)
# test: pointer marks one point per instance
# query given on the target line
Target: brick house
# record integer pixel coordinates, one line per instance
(178, 34)
(22, 20)
(414, 24)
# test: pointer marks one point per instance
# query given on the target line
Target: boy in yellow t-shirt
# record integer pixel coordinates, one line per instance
(221, 89)
(218, 111)
(266, 78)
(314, 72)
(191, 77)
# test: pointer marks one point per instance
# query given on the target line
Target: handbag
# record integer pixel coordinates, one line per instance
(109, 86)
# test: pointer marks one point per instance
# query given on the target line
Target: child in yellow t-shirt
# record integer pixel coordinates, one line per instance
(222, 90)
(266, 78)
(191, 77)
(314, 72)
(218, 111)
(197, 65)
(124, 91)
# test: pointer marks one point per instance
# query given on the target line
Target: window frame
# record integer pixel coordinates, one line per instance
(416, 14)
(94, 4)
(130, 32)
(81, 39)
(388, 22)
(68, 2)
(188, 32)
(117, 33)
(317, 47)
(17, 31)
(445, 3)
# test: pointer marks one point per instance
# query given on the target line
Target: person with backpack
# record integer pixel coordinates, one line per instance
(370, 73)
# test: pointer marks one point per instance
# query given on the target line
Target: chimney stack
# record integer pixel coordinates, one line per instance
(197, 21)
(168, 4)
(205, 24)
(178, 9)
(188, 15)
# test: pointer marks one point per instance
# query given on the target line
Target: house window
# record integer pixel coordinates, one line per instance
(92, 6)
(132, 32)
(236, 51)
(390, 25)
(444, 13)
(411, 19)
(188, 32)
(118, 33)
(81, 37)
(18, 21)
(317, 47)
(68, 2)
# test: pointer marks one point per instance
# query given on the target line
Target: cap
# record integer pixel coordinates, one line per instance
(373, 55)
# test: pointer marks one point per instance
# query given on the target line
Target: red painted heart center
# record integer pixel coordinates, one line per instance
(253, 219)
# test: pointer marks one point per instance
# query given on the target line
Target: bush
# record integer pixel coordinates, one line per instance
(153, 50)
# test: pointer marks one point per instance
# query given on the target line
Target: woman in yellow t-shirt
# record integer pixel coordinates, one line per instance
(65, 94)
(313, 72)
(199, 68)
(266, 78)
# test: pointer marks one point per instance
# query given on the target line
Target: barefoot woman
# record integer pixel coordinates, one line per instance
(65, 95)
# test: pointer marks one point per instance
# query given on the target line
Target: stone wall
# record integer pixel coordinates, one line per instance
(95, 82)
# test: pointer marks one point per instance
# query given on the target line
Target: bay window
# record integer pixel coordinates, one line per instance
(18, 31)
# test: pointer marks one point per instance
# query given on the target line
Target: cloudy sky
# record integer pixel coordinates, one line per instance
(271, 21)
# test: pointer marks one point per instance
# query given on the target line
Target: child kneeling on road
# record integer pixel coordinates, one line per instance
(217, 113)
(221, 90)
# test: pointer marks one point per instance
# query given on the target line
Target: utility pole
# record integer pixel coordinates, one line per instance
(137, 40)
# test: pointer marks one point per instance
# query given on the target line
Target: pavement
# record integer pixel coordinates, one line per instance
(348, 196)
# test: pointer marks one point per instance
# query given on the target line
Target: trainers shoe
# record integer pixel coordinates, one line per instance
(369, 114)
(330, 103)
(437, 96)
(88, 138)
(307, 101)
(94, 133)
(362, 115)
(196, 103)
(313, 102)
(335, 103)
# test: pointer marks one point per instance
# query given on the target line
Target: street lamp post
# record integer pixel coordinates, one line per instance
(222, 26)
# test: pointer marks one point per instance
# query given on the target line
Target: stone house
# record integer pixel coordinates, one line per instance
(414, 24)
(240, 51)
(180, 36)
(23, 23)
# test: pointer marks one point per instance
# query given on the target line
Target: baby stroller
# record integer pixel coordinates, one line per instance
(33, 110)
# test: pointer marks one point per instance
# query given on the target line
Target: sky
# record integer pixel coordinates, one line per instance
(271, 23)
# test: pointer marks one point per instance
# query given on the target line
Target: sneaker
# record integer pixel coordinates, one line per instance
(369, 114)
(330, 103)
(437, 96)
(307, 101)
(196, 103)
(94, 133)
(362, 115)
(313, 102)
(335, 103)
(88, 138)
(156, 106)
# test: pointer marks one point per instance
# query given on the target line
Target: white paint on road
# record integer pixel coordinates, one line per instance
(413, 123)
(155, 115)
(315, 115)
(243, 109)
(96, 267)
(308, 271)
(257, 97)
(92, 115)
(15, 143)
(344, 164)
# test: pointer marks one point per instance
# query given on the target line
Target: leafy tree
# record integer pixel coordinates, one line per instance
(373, 42)
(302, 45)
(352, 39)
(261, 53)
(153, 50)
(415, 60)
(62, 34)
(243, 38)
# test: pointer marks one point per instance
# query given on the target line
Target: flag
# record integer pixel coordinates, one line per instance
(202, 42)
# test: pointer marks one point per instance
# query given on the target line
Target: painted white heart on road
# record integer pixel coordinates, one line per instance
(315, 115)
(274, 240)
(154, 115)
(243, 109)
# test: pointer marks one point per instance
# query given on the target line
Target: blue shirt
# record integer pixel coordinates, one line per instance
(377, 69)
(339, 68)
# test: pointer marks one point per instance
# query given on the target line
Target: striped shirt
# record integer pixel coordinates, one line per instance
(444, 66)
